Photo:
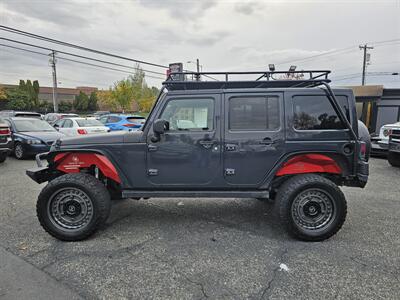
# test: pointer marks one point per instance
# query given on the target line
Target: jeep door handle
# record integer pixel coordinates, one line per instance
(206, 143)
(267, 141)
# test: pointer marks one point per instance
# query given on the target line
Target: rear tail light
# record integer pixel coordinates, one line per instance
(5, 131)
(130, 125)
(82, 131)
(363, 150)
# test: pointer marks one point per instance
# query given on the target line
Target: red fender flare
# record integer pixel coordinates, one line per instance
(72, 162)
(309, 163)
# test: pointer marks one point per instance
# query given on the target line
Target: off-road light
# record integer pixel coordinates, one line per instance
(271, 67)
(292, 68)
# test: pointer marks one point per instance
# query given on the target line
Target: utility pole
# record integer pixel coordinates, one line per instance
(53, 61)
(365, 48)
(198, 69)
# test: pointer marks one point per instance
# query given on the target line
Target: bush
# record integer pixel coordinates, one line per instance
(64, 107)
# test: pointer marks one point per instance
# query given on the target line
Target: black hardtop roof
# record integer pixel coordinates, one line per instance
(251, 80)
(313, 91)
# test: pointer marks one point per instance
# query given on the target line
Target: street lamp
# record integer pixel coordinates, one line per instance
(198, 67)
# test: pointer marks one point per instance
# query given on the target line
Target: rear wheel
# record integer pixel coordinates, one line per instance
(394, 159)
(311, 207)
(73, 206)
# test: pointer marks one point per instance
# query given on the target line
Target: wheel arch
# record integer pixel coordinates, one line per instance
(77, 160)
(332, 165)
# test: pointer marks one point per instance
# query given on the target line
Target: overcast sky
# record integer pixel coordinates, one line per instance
(224, 35)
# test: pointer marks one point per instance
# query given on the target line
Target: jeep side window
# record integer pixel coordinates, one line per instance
(314, 113)
(189, 114)
(254, 113)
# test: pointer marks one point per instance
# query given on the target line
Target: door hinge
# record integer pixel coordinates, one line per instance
(152, 172)
(152, 148)
(230, 147)
(229, 172)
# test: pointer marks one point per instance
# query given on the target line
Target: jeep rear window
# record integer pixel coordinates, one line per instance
(254, 113)
(314, 113)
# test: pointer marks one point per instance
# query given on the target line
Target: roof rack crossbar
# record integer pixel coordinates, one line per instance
(264, 79)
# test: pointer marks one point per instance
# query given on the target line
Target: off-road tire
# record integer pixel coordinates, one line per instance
(92, 187)
(307, 183)
(394, 159)
(3, 157)
(19, 152)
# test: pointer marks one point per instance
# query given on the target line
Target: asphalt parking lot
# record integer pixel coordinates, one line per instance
(209, 248)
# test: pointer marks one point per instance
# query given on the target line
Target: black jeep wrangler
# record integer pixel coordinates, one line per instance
(292, 141)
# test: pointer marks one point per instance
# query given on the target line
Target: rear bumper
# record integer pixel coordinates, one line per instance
(7, 146)
(361, 179)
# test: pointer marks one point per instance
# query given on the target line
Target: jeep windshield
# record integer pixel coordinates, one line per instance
(32, 125)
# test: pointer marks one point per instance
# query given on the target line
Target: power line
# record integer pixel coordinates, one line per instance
(342, 51)
(76, 55)
(50, 40)
(80, 62)
(347, 49)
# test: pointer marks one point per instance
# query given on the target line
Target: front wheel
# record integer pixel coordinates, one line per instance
(19, 151)
(3, 157)
(311, 207)
(394, 159)
(73, 206)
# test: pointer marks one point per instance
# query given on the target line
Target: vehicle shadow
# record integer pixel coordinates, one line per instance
(247, 215)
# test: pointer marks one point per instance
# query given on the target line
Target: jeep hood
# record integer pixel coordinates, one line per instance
(115, 137)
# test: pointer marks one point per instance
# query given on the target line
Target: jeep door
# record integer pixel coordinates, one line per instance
(189, 152)
(253, 136)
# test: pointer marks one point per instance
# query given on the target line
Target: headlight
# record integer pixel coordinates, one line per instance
(33, 142)
(387, 132)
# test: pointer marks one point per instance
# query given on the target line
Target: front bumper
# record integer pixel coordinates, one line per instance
(39, 175)
(394, 146)
(378, 149)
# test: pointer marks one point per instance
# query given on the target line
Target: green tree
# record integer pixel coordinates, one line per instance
(22, 84)
(3, 94)
(123, 93)
(18, 99)
(36, 89)
(65, 106)
(92, 104)
(81, 102)
(106, 100)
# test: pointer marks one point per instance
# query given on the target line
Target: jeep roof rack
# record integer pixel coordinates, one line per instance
(228, 80)
(266, 79)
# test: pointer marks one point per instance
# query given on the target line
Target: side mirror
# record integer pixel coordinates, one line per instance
(56, 126)
(159, 128)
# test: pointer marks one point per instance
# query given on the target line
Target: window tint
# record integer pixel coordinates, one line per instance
(314, 113)
(67, 124)
(88, 122)
(191, 114)
(59, 123)
(113, 119)
(254, 113)
(343, 102)
(103, 120)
